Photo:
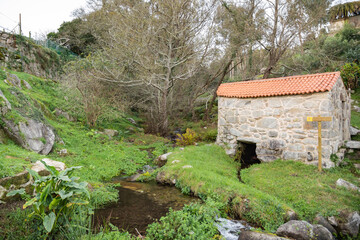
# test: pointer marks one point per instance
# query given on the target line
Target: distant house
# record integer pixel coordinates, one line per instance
(267, 119)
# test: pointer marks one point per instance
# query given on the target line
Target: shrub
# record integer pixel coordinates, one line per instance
(210, 135)
(57, 197)
(194, 221)
(188, 138)
(350, 73)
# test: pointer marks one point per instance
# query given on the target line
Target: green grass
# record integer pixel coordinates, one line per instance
(214, 174)
(269, 189)
(303, 188)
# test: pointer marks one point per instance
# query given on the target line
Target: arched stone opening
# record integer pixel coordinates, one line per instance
(246, 154)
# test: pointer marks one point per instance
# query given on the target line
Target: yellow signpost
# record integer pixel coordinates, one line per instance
(319, 120)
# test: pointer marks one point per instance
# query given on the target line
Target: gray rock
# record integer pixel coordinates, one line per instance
(32, 135)
(332, 220)
(351, 225)
(132, 121)
(357, 165)
(162, 159)
(250, 235)
(134, 177)
(299, 230)
(162, 178)
(356, 108)
(58, 112)
(353, 144)
(14, 80)
(63, 152)
(111, 132)
(269, 123)
(276, 144)
(322, 233)
(342, 183)
(41, 170)
(322, 221)
(354, 131)
(290, 215)
(187, 166)
(3, 192)
(4, 108)
(38, 136)
(17, 180)
(175, 161)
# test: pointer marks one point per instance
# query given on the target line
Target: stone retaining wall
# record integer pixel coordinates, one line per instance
(279, 127)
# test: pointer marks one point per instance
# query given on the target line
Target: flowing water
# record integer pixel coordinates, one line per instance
(139, 205)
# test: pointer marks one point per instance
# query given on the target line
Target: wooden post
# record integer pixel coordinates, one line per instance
(319, 147)
(319, 119)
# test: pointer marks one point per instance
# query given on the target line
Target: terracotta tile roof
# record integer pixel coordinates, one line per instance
(293, 85)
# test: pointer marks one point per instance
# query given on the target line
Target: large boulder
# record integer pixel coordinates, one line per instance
(302, 230)
(353, 144)
(354, 131)
(251, 235)
(349, 224)
(24, 180)
(342, 183)
(322, 221)
(15, 81)
(32, 135)
(162, 159)
(39, 167)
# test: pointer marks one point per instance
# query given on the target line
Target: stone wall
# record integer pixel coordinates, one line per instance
(279, 127)
(337, 25)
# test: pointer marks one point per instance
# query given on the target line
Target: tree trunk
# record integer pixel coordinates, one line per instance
(225, 71)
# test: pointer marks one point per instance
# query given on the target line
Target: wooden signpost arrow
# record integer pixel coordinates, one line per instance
(319, 120)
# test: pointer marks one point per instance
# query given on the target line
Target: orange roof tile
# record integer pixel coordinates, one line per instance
(293, 85)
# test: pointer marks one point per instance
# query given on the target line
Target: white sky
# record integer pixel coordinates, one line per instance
(37, 16)
(335, 2)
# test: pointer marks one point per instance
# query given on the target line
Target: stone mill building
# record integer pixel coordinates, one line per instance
(267, 119)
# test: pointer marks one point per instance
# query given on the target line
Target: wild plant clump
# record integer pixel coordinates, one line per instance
(57, 200)
(188, 138)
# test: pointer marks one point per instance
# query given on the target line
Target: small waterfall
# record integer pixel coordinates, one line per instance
(229, 229)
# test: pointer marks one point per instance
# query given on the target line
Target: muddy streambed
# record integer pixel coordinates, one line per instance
(139, 205)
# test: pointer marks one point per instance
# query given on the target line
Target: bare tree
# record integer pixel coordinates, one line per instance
(155, 45)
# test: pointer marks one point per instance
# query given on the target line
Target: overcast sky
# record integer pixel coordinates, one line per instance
(37, 16)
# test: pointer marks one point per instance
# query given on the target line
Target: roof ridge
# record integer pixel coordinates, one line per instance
(282, 78)
(290, 85)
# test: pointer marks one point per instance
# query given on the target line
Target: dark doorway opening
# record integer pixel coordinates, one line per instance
(246, 154)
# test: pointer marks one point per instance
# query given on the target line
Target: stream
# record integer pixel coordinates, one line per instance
(141, 204)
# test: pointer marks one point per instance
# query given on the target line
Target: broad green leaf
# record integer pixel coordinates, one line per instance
(65, 195)
(51, 169)
(68, 170)
(34, 174)
(29, 203)
(79, 201)
(64, 178)
(14, 192)
(54, 203)
(49, 221)
(45, 192)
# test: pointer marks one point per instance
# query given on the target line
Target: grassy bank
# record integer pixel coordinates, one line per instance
(214, 174)
(269, 189)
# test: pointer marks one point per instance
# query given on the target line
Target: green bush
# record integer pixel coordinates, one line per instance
(210, 135)
(188, 138)
(350, 73)
(2, 74)
(194, 221)
(58, 196)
